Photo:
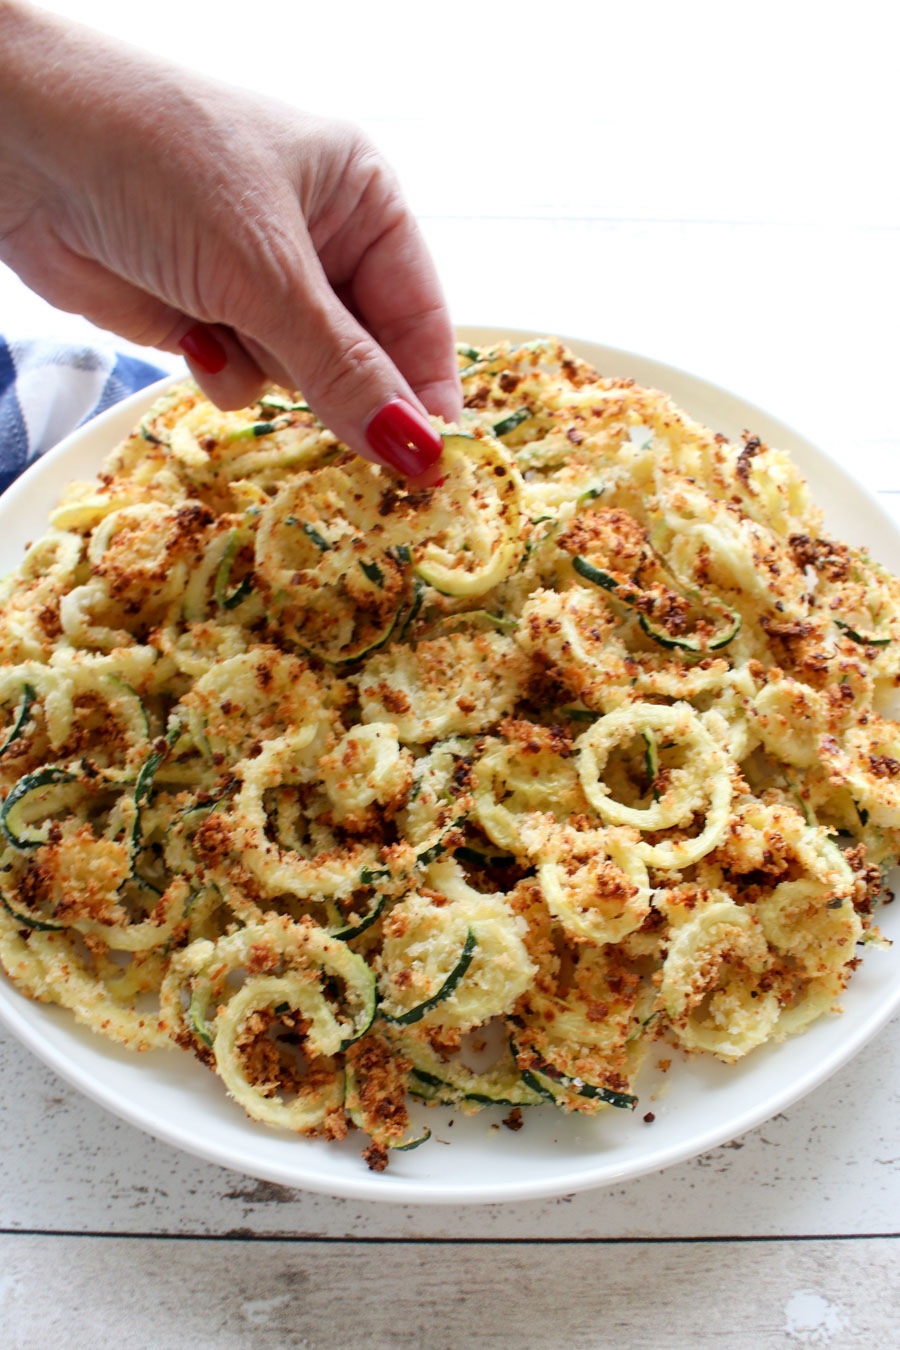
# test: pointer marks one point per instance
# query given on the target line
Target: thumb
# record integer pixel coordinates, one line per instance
(349, 381)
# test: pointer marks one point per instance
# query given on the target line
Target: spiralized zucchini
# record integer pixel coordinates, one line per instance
(369, 795)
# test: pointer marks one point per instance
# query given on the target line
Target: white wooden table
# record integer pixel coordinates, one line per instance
(712, 186)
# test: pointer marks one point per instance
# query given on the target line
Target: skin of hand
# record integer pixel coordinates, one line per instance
(261, 242)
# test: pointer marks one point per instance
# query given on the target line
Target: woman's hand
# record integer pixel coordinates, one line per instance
(262, 242)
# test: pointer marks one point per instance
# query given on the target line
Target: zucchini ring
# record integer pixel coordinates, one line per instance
(465, 959)
(703, 783)
(711, 989)
(523, 788)
(200, 972)
(472, 527)
(807, 921)
(451, 1081)
(597, 887)
(334, 571)
(244, 1020)
(329, 874)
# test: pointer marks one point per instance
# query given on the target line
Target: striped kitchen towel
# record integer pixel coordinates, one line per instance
(49, 388)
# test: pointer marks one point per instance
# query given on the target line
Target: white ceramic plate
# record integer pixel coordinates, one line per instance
(698, 1104)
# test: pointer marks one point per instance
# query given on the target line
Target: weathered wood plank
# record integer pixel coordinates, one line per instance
(829, 1165)
(84, 1293)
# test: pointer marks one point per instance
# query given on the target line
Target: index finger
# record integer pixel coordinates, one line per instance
(397, 295)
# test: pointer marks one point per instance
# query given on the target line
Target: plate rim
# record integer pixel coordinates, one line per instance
(404, 1190)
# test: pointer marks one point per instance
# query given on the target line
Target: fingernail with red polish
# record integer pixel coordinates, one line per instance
(401, 437)
(203, 347)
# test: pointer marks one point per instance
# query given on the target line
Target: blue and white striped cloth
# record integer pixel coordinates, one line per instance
(49, 388)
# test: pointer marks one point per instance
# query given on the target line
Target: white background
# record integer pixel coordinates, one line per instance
(715, 185)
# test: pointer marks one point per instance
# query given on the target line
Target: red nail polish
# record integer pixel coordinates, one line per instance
(401, 437)
(203, 347)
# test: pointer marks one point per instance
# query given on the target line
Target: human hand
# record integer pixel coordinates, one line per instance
(262, 242)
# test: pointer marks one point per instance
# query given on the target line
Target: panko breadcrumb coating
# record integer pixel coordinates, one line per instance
(328, 780)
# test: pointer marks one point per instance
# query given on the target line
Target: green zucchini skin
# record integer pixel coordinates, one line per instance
(864, 639)
(544, 1079)
(196, 1015)
(28, 920)
(143, 789)
(428, 1087)
(240, 592)
(431, 854)
(278, 404)
(370, 1015)
(371, 1127)
(467, 352)
(665, 639)
(312, 534)
(409, 1144)
(515, 419)
(415, 606)
(630, 598)
(472, 618)
(29, 783)
(200, 810)
(357, 655)
(129, 690)
(225, 598)
(416, 1014)
(651, 762)
(476, 859)
(499, 1085)
(351, 931)
(598, 577)
(253, 430)
(537, 1086)
(197, 1021)
(372, 572)
(396, 623)
(29, 695)
(369, 875)
(424, 857)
